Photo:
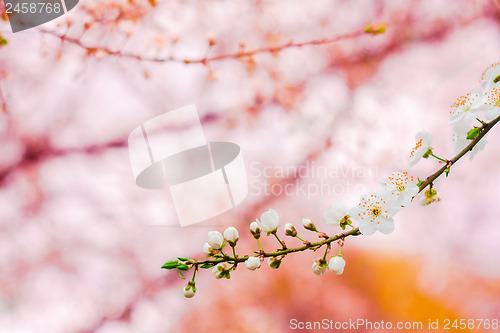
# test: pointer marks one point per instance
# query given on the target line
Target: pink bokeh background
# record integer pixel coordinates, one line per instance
(81, 245)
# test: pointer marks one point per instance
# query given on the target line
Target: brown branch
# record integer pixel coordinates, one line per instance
(205, 60)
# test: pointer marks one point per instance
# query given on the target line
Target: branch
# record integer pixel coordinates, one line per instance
(308, 246)
(485, 128)
(371, 29)
(336, 264)
(354, 232)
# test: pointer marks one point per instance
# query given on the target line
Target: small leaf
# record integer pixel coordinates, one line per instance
(184, 258)
(183, 267)
(473, 133)
(170, 264)
(446, 171)
(180, 274)
(207, 265)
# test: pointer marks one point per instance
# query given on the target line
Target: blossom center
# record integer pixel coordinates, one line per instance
(418, 145)
(399, 181)
(495, 80)
(463, 104)
(372, 208)
(494, 97)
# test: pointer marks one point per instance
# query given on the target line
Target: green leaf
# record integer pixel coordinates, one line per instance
(473, 133)
(183, 267)
(184, 259)
(206, 265)
(180, 274)
(170, 264)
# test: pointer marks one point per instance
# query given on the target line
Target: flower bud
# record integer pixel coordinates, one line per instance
(319, 266)
(269, 221)
(252, 263)
(215, 240)
(221, 271)
(207, 249)
(337, 265)
(255, 229)
(308, 224)
(188, 293)
(190, 290)
(231, 235)
(274, 262)
(290, 230)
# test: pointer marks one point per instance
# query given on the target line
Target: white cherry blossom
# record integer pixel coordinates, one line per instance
(375, 212)
(401, 186)
(252, 263)
(231, 235)
(319, 267)
(215, 239)
(269, 221)
(423, 143)
(337, 265)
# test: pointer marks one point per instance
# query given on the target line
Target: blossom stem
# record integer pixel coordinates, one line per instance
(224, 255)
(260, 246)
(234, 254)
(439, 158)
(297, 236)
(279, 240)
(194, 272)
(326, 252)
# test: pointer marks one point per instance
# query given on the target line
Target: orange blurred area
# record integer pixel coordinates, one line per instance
(375, 287)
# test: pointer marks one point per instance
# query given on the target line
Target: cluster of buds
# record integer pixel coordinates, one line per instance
(222, 264)
(336, 265)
